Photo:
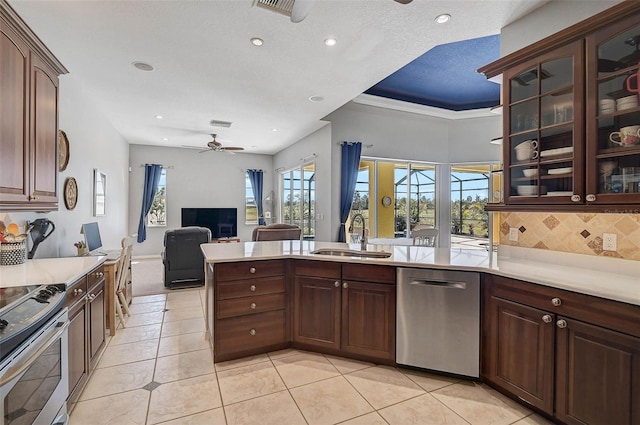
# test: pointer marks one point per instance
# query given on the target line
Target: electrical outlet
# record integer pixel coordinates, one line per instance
(609, 241)
(513, 234)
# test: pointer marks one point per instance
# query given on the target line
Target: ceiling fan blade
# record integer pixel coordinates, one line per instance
(300, 9)
(233, 148)
(404, 1)
(192, 147)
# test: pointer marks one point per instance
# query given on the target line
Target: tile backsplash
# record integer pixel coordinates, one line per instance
(569, 232)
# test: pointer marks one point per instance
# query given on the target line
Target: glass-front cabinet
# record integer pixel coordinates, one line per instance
(613, 114)
(543, 119)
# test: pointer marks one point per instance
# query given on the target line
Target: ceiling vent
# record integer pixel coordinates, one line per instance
(216, 123)
(280, 6)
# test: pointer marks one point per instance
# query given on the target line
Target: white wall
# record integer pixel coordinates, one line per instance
(93, 143)
(318, 143)
(208, 179)
(547, 20)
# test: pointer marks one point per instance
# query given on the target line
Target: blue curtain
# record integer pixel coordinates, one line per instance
(151, 178)
(255, 177)
(348, 177)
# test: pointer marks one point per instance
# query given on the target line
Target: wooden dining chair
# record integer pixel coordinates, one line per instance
(123, 275)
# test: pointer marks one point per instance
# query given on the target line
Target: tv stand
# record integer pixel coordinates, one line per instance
(225, 240)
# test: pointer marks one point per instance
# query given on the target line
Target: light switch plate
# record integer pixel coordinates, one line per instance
(513, 234)
(609, 241)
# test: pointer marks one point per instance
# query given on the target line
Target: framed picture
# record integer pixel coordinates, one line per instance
(99, 193)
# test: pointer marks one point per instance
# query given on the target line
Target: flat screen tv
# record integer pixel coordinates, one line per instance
(223, 222)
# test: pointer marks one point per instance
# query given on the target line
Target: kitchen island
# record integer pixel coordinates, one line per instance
(558, 331)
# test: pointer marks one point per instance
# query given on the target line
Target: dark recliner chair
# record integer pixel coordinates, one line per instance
(182, 257)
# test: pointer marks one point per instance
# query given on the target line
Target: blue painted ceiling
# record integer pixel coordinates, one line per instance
(446, 77)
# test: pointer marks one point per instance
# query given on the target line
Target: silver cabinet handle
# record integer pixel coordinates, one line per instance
(547, 318)
(253, 306)
(345, 285)
(92, 297)
(556, 301)
(575, 198)
(252, 270)
(590, 197)
(252, 332)
(252, 288)
(561, 323)
(336, 284)
(77, 291)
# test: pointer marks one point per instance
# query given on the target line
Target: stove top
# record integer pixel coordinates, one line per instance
(24, 309)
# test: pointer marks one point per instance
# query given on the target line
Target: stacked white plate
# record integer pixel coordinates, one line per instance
(627, 102)
(607, 106)
(530, 190)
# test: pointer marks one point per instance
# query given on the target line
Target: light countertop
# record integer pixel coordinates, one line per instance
(48, 271)
(605, 277)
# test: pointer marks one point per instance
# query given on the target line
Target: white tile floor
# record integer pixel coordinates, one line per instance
(159, 370)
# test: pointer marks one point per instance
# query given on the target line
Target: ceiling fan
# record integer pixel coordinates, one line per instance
(215, 146)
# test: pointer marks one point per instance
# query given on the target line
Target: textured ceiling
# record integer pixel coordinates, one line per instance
(446, 77)
(206, 68)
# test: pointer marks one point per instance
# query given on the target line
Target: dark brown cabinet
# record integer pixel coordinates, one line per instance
(345, 309)
(566, 100)
(29, 119)
(572, 356)
(251, 308)
(87, 329)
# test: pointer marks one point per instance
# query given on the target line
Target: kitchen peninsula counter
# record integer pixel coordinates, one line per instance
(48, 271)
(609, 278)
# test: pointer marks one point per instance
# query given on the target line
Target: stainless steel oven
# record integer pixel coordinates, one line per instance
(34, 372)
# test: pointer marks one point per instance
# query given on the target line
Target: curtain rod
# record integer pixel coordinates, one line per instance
(171, 167)
(247, 169)
(309, 157)
(350, 143)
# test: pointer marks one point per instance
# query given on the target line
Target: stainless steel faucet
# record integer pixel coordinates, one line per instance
(363, 239)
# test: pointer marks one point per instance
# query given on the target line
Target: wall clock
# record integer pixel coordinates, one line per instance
(63, 151)
(386, 201)
(70, 193)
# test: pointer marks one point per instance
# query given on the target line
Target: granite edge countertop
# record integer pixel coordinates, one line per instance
(47, 271)
(609, 278)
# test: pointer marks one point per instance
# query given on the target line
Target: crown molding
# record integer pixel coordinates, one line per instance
(414, 108)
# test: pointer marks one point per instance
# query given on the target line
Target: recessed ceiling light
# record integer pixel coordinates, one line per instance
(274, 129)
(316, 98)
(159, 117)
(441, 19)
(257, 41)
(142, 66)
(165, 139)
(330, 41)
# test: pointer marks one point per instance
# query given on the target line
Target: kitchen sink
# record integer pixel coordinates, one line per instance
(352, 253)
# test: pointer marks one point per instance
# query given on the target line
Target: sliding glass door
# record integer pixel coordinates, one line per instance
(298, 198)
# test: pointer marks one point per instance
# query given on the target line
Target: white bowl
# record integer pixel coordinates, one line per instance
(527, 190)
(530, 172)
(627, 98)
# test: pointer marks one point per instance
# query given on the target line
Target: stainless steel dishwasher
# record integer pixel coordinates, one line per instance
(438, 320)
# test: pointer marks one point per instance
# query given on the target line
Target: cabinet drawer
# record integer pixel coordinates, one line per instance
(250, 287)
(369, 273)
(95, 275)
(76, 291)
(250, 332)
(318, 269)
(610, 314)
(250, 305)
(248, 270)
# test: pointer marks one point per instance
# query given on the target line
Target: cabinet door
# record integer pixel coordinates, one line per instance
(78, 365)
(317, 312)
(521, 351)
(613, 160)
(368, 319)
(97, 324)
(44, 133)
(543, 147)
(14, 119)
(597, 375)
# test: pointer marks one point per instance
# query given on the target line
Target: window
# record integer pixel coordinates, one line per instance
(298, 188)
(250, 206)
(157, 216)
(469, 195)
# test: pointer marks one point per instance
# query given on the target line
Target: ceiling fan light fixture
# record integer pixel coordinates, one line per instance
(443, 18)
(256, 41)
